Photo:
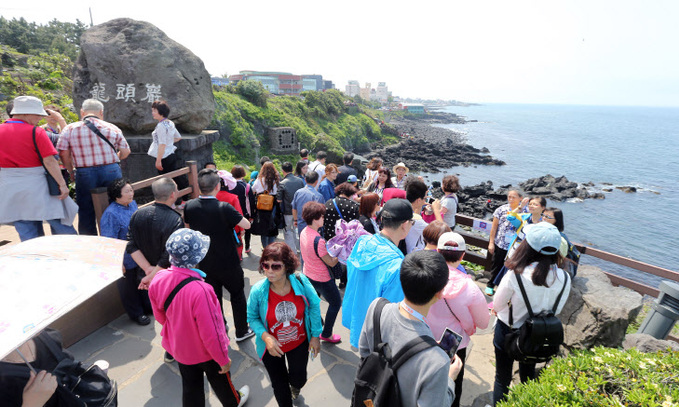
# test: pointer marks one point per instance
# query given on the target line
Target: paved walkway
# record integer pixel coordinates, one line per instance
(136, 360)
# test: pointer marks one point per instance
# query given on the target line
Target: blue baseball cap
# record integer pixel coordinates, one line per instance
(543, 237)
(352, 178)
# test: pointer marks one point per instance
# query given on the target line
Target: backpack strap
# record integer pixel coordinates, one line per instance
(336, 207)
(410, 349)
(558, 299)
(524, 295)
(96, 131)
(175, 290)
(377, 313)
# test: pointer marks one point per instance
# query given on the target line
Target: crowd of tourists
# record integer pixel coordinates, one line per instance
(347, 240)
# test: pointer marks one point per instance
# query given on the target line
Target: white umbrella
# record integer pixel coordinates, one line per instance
(44, 278)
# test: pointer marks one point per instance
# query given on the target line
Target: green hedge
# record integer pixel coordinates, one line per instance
(604, 377)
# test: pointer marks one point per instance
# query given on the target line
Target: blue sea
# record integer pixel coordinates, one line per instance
(623, 146)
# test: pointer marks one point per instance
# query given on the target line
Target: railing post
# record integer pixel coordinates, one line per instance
(100, 202)
(193, 178)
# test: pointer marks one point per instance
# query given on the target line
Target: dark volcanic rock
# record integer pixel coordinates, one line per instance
(127, 64)
(627, 189)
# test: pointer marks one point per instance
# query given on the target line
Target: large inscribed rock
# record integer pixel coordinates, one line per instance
(128, 64)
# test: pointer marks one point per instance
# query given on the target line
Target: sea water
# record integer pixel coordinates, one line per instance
(623, 146)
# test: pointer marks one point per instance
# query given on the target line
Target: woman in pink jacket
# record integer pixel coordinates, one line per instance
(463, 307)
(193, 326)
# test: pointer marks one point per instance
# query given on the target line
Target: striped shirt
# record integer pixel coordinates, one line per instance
(88, 149)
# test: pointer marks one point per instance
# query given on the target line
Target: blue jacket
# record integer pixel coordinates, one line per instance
(258, 305)
(327, 189)
(373, 270)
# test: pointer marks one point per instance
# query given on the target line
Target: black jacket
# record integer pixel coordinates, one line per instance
(150, 227)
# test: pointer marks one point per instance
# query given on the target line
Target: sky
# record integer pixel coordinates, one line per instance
(559, 52)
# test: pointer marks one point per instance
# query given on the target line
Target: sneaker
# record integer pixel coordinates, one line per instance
(295, 392)
(168, 358)
(244, 393)
(247, 250)
(333, 339)
(249, 334)
(490, 291)
(342, 285)
(143, 320)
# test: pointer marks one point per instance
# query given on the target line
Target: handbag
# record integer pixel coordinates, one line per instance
(52, 184)
(540, 337)
(265, 201)
(334, 271)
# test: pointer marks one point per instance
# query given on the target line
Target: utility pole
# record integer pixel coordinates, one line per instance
(91, 21)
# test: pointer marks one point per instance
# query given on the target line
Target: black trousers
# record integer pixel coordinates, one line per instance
(282, 376)
(233, 280)
(192, 384)
(462, 354)
(498, 262)
(136, 302)
(174, 162)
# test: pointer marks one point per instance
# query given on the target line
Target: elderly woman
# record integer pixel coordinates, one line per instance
(433, 232)
(370, 204)
(317, 260)
(114, 223)
(400, 174)
(26, 153)
(284, 312)
(502, 234)
(193, 325)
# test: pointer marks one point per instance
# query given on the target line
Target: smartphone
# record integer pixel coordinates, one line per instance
(450, 341)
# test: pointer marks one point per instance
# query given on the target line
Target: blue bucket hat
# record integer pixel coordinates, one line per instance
(543, 237)
(187, 247)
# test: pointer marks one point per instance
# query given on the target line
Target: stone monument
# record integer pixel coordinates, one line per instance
(129, 64)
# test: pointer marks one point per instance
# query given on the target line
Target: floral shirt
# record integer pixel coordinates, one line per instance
(505, 231)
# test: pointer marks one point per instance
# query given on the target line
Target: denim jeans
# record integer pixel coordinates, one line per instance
(86, 179)
(30, 229)
(290, 234)
(328, 290)
(267, 240)
(504, 365)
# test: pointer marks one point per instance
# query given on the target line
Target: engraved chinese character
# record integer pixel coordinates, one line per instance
(152, 93)
(125, 92)
(99, 92)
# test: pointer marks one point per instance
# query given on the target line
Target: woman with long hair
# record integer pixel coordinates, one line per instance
(284, 312)
(383, 181)
(535, 263)
(370, 176)
(266, 183)
(301, 169)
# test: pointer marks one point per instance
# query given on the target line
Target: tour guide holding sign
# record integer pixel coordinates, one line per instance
(95, 148)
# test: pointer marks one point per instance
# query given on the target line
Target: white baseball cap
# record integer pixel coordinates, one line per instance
(457, 239)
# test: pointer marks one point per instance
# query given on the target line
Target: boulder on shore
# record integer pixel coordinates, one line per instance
(128, 64)
(648, 344)
(597, 313)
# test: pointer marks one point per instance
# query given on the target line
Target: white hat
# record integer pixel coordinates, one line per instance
(401, 165)
(456, 238)
(28, 105)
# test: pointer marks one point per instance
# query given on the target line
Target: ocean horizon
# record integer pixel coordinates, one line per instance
(607, 145)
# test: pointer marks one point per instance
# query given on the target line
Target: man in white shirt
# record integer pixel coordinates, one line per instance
(319, 164)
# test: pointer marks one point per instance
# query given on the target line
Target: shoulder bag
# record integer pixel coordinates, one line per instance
(265, 201)
(334, 271)
(52, 184)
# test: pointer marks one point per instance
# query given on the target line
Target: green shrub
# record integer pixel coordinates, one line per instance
(604, 377)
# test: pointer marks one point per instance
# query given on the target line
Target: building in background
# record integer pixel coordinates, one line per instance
(382, 92)
(220, 81)
(352, 89)
(364, 92)
(414, 108)
(283, 83)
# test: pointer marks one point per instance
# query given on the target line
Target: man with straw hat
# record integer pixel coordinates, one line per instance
(399, 179)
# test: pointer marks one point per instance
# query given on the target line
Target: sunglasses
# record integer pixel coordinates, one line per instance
(272, 266)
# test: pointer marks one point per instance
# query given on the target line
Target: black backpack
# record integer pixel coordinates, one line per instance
(79, 384)
(540, 337)
(376, 384)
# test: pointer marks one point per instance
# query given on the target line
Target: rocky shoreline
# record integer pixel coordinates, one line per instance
(480, 200)
(428, 148)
